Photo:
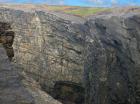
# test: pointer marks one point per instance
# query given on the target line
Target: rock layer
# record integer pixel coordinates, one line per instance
(16, 88)
(47, 47)
(112, 67)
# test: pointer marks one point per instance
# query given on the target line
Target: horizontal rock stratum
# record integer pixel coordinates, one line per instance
(100, 53)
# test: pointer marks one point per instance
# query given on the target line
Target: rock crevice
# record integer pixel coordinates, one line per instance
(7, 38)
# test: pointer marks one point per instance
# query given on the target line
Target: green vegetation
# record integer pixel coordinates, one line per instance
(86, 11)
(74, 10)
(58, 8)
(80, 11)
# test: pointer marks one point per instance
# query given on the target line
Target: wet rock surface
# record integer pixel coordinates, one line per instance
(112, 68)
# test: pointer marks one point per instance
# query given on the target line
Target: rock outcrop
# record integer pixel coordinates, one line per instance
(48, 48)
(103, 52)
(7, 38)
(112, 67)
(16, 88)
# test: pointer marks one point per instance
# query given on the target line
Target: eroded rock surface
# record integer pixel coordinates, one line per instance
(18, 89)
(46, 46)
(112, 68)
(7, 38)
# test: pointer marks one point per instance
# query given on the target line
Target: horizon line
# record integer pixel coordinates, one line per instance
(13, 3)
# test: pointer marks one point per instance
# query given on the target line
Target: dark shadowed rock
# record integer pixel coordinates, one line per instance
(112, 67)
(7, 38)
(66, 91)
(18, 89)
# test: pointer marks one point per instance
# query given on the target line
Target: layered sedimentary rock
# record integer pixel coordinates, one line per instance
(48, 48)
(17, 88)
(112, 67)
(53, 47)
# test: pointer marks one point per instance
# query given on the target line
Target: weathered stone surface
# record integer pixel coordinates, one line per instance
(49, 48)
(46, 46)
(112, 67)
(16, 88)
(7, 38)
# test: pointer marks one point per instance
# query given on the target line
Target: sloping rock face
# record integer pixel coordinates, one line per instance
(46, 47)
(112, 67)
(16, 88)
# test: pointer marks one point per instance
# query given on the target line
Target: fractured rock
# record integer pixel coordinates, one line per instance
(112, 67)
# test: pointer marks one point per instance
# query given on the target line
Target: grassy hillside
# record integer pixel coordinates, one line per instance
(80, 11)
(74, 10)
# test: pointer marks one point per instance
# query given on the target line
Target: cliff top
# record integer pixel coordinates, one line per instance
(74, 14)
(72, 10)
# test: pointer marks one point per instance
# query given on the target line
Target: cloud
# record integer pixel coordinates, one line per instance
(54, 2)
(104, 2)
(114, 1)
(97, 1)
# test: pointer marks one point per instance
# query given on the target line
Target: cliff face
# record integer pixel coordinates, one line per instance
(47, 47)
(17, 88)
(112, 68)
(51, 48)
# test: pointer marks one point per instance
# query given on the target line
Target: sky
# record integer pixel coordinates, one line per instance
(92, 3)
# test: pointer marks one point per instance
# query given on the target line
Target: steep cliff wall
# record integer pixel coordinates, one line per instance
(47, 47)
(17, 88)
(112, 68)
(51, 47)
